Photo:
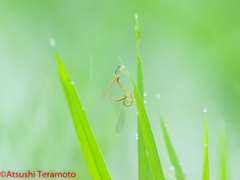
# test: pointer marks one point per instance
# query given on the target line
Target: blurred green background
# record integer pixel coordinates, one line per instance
(191, 54)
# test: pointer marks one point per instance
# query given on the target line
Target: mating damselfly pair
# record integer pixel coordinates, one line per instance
(127, 98)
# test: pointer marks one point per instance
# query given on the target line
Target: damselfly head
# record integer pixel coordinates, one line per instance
(120, 68)
(127, 100)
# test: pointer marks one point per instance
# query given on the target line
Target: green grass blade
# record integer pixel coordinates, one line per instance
(223, 171)
(151, 149)
(144, 170)
(91, 151)
(171, 152)
(205, 174)
(139, 61)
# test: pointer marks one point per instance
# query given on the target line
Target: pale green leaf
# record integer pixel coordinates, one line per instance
(91, 151)
(171, 152)
(205, 174)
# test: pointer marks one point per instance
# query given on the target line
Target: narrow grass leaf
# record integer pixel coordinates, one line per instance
(144, 170)
(91, 151)
(171, 152)
(139, 61)
(151, 149)
(205, 173)
(223, 170)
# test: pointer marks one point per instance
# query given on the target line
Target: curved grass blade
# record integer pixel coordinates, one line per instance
(223, 171)
(91, 151)
(151, 149)
(144, 171)
(171, 152)
(121, 120)
(139, 60)
(205, 174)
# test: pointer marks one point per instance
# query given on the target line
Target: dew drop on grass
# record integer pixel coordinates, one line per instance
(158, 96)
(205, 145)
(145, 94)
(145, 101)
(135, 27)
(165, 125)
(204, 110)
(83, 108)
(72, 82)
(136, 136)
(147, 152)
(52, 42)
(180, 163)
(172, 168)
(136, 16)
(137, 113)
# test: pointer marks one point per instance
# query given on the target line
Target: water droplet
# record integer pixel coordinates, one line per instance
(136, 134)
(180, 163)
(52, 42)
(137, 113)
(136, 16)
(145, 101)
(83, 108)
(158, 96)
(72, 82)
(145, 94)
(205, 145)
(147, 152)
(165, 125)
(136, 137)
(204, 110)
(135, 27)
(172, 168)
